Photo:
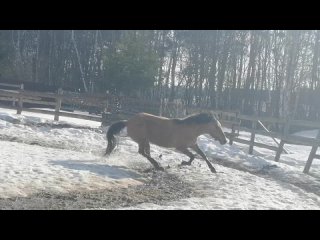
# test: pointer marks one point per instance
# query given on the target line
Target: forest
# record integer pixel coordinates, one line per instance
(260, 72)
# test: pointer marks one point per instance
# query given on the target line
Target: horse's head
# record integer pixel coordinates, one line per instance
(206, 124)
(216, 132)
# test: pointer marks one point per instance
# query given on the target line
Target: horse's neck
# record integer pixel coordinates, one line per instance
(200, 130)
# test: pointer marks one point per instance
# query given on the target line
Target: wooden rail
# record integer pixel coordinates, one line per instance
(284, 136)
(54, 100)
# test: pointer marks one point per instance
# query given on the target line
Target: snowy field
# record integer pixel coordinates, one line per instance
(39, 156)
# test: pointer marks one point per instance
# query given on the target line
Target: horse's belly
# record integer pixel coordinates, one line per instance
(172, 141)
(163, 140)
(160, 132)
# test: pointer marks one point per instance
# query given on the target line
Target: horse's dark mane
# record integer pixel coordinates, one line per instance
(200, 118)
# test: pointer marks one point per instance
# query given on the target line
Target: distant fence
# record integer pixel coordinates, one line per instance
(284, 136)
(14, 86)
(53, 100)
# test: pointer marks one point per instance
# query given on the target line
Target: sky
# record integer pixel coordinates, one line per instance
(38, 156)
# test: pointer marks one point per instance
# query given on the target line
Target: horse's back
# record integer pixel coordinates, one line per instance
(147, 119)
(154, 128)
(149, 116)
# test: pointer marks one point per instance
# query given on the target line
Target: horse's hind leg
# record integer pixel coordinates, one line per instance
(188, 153)
(198, 150)
(144, 150)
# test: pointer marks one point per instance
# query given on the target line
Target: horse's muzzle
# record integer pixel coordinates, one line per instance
(223, 142)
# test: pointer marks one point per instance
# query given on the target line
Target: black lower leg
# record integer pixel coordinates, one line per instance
(189, 154)
(198, 150)
(154, 163)
(188, 162)
(151, 160)
(212, 169)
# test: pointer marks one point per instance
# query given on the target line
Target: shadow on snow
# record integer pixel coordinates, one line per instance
(115, 172)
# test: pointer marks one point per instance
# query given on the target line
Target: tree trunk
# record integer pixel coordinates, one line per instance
(222, 68)
(79, 61)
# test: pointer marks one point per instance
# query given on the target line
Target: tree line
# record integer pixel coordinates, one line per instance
(273, 72)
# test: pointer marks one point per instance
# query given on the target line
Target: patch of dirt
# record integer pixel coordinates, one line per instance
(160, 187)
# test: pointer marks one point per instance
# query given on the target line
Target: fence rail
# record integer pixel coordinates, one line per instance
(283, 136)
(54, 100)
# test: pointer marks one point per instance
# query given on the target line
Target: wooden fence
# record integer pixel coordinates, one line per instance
(284, 135)
(55, 101)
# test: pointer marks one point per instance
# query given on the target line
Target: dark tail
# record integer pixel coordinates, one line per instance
(114, 129)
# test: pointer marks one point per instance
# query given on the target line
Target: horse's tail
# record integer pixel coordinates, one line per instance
(114, 129)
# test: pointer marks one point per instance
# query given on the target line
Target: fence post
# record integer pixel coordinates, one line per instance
(58, 105)
(233, 130)
(280, 149)
(104, 114)
(160, 109)
(253, 134)
(312, 154)
(20, 102)
(281, 145)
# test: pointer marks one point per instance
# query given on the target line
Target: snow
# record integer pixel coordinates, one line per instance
(30, 117)
(38, 158)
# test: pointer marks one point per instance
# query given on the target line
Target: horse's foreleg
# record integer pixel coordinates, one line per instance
(147, 148)
(199, 151)
(144, 150)
(189, 154)
(153, 162)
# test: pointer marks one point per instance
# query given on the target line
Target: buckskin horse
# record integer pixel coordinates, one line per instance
(178, 133)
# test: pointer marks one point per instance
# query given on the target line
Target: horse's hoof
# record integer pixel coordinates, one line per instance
(213, 170)
(160, 169)
(183, 163)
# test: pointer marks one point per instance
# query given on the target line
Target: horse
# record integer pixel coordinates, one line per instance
(178, 133)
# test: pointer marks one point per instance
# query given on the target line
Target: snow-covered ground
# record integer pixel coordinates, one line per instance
(37, 155)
